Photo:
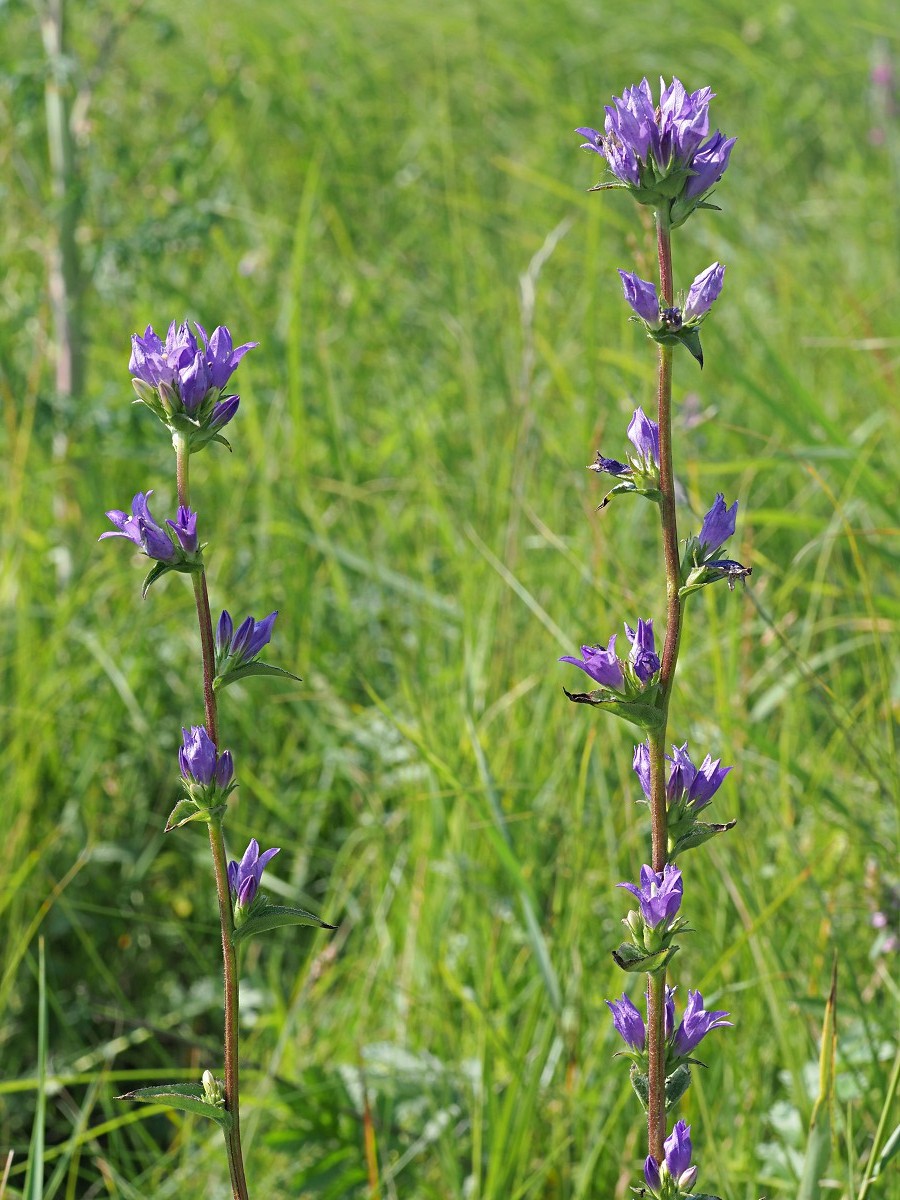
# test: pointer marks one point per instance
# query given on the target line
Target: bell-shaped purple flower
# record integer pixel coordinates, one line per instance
(139, 527)
(696, 1024)
(641, 295)
(628, 1022)
(643, 655)
(704, 291)
(242, 647)
(709, 165)
(193, 383)
(641, 767)
(668, 1012)
(148, 359)
(644, 436)
(718, 527)
(221, 356)
(600, 664)
(185, 528)
(659, 894)
(244, 876)
(223, 411)
(678, 1151)
(696, 786)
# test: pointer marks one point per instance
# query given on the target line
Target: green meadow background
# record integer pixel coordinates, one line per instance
(389, 197)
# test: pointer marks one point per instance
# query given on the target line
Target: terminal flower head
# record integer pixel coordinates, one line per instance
(662, 154)
(244, 876)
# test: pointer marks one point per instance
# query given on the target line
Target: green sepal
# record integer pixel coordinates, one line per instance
(188, 810)
(631, 958)
(697, 834)
(645, 716)
(272, 916)
(641, 1084)
(253, 668)
(653, 494)
(189, 1097)
(146, 394)
(677, 1084)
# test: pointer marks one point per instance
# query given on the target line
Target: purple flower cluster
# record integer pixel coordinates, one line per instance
(244, 876)
(664, 154)
(199, 762)
(644, 436)
(235, 650)
(642, 296)
(689, 785)
(695, 1024)
(139, 527)
(676, 1164)
(605, 668)
(180, 367)
(659, 894)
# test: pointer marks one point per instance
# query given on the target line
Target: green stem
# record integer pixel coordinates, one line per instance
(656, 985)
(220, 865)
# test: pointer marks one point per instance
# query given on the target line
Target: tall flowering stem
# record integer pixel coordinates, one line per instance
(664, 156)
(219, 857)
(182, 380)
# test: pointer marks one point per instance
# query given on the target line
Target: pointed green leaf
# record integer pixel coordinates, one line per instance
(273, 916)
(690, 339)
(651, 493)
(155, 572)
(185, 810)
(645, 716)
(677, 1084)
(254, 668)
(641, 1084)
(630, 958)
(700, 832)
(189, 1097)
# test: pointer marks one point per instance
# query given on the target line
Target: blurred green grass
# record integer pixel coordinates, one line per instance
(364, 188)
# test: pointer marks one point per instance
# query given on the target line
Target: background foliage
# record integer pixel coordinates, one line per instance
(388, 195)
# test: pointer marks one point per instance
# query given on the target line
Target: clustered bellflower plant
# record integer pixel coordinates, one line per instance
(183, 380)
(665, 156)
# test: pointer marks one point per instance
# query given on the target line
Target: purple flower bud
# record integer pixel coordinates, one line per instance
(687, 1179)
(651, 1173)
(643, 655)
(601, 665)
(139, 527)
(223, 410)
(718, 527)
(659, 894)
(224, 770)
(642, 297)
(224, 631)
(244, 876)
(696, 1024)
(704, 292)
(641, 766)
(197, 757)
(708, 165)
(193, 381)
(628, 1022)
(644, 436)
(678, 1151)
(669, 1013)
(185, 528)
